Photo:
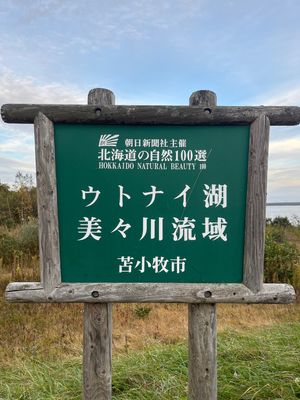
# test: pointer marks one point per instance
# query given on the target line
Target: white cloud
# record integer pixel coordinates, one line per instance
(284, 169)
(286, 147)
(106, 23)
(284, 178)
(9, 167)
(282, 188)
(19, 89)
(16, 141)
(289, 95)
(16, 144)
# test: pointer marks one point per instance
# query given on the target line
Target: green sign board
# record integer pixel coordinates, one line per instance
(151, 203)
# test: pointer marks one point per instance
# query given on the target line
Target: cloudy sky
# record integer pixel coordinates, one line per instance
(152, 52)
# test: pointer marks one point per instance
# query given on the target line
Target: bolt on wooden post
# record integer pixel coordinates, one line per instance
(202, 318)
(97, 336)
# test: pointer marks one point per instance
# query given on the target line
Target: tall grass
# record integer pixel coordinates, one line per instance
(282, 252)
(261, 364)
(19, 251)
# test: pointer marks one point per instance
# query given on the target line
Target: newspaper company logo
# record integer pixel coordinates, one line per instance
(108, 140)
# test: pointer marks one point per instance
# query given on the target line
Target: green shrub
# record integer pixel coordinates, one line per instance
(20, 245)
(281, 258)
(8, 246)
(28, 238)
(281, 221)
(142, 311)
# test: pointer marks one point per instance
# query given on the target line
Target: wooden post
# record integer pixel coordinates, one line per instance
(202, 319)
(256, 204)
(97, 336)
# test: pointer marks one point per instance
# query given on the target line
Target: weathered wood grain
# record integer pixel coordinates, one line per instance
(256, 204)
(97, 333)
(202, 317)
(202, 352)
(101, 97)
(155, 115)
(97, 352)
(47, 202)
(149, 293)
(203, 98)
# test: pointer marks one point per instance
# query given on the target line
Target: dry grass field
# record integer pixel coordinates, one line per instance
(49, 330)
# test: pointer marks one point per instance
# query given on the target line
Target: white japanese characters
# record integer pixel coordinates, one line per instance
(153, 228)
(115, 152)
(215, 230)
(183, 228)
(157, 264)
(153, 194)
(91, 191)
(216, 195)
(183, 195)
(122, 195)
(122, 227)
(152, 155)
(90, 227)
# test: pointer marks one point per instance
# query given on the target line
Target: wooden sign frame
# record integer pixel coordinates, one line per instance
(201, 298)
(51, 289)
